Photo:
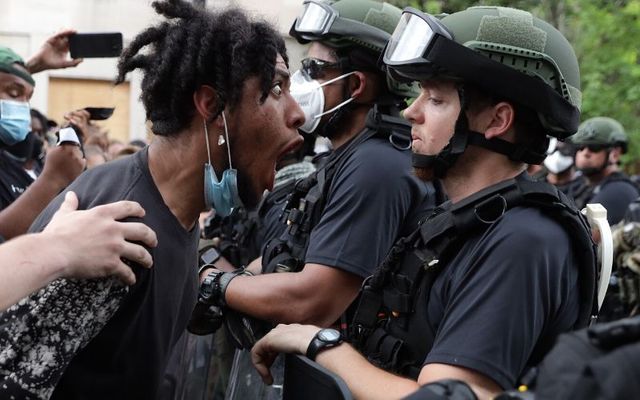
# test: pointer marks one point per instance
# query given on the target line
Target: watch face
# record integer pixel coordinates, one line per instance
(329, 335)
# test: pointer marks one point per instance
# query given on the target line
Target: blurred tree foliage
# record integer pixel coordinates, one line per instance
(606, 37)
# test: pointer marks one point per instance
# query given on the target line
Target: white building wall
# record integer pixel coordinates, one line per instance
(25, 25)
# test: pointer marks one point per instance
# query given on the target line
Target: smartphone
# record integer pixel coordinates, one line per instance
(99, 113)
(95, 45)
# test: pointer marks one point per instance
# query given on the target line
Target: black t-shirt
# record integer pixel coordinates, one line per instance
(14, 180)
(373, 199)
(114, 341)
(499, 304)
(615, 194)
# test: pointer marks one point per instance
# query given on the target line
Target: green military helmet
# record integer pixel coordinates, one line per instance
(513, 54)
(601, 131)
(348, 24)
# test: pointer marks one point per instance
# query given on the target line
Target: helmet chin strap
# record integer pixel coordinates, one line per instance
(463, 137)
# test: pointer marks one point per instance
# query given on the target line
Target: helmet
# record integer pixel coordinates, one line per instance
(503, 51)
(601, 131)
(348, 24)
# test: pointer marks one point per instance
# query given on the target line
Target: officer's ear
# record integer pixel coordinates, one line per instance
(358, 84)
(498, 119)
(614, 155)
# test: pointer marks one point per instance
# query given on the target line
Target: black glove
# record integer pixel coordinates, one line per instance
(205, 319)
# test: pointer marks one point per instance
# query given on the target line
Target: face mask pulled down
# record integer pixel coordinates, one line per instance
(220, 194)
(309, 95)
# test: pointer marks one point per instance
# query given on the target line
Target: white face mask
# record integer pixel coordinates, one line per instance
(310, 96)
(557, 162)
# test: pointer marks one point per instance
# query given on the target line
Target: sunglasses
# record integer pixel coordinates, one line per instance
(594, 148)
(314, 68)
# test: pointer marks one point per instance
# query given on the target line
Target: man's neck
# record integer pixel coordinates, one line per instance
(350, 127)
(478, 169)
(178, 178)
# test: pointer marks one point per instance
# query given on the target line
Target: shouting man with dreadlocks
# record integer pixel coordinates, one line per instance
(216, 88)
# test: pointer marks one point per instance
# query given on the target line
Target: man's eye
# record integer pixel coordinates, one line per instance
(277, 89)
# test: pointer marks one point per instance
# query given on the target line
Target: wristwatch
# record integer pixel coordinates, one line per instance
(210, 288)
(325, 338)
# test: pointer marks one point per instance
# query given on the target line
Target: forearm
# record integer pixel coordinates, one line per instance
(16, 219)
(316, 296)
(29, 263)
(365, 381)
(273, 297)
(35, 64)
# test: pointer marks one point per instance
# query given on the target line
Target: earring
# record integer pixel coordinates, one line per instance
(221, 140)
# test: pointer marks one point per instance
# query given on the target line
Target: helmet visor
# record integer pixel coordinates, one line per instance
(412, 38)
(316, 18)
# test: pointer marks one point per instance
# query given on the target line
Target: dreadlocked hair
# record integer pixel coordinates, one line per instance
(197, 47)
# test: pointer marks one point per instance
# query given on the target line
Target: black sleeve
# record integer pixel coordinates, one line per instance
(615, 197)
(516, 284)
(369, 198)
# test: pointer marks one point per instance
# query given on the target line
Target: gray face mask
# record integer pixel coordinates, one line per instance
(310, 96)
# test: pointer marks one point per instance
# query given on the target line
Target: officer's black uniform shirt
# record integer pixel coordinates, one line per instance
(615, 195)
(373, 198)
(14, 180)
(498, 305)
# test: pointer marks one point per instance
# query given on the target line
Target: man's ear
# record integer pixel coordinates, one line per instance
(357, 84)
(205, 99)
(500, 119)
(614, 155)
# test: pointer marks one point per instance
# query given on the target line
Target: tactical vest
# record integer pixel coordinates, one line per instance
(306, 203)
(390, 325)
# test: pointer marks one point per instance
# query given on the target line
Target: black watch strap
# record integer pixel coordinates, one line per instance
(214, 286)
(324, 339)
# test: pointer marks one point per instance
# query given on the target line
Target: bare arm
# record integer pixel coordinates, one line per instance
(365, 381)
(53, 54)
(79, 244)
(484, 387)
(64, 163)
(317, 295)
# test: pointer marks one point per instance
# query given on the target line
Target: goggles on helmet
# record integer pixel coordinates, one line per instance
(421, 48)
(413, 36)
(320, 21)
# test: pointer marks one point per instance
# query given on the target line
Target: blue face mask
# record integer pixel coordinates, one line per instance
(221, 195)
(15, 121)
